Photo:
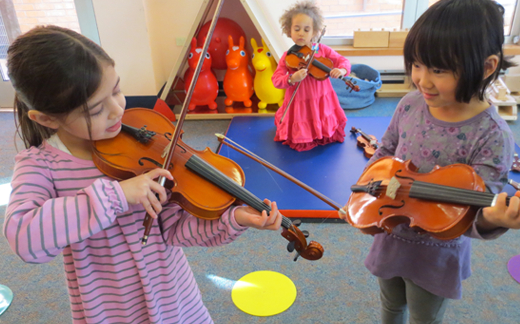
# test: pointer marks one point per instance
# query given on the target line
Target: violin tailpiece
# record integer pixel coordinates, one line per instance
(371, 188)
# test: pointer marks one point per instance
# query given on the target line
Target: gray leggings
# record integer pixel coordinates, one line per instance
(397, 293)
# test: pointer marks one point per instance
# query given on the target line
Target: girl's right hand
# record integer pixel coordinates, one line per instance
(299, 75)
(342, 213)
(143, 189)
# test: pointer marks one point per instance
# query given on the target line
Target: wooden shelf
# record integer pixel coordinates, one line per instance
(223, 112)
(396, 51)
(367, 51)
(511, 49)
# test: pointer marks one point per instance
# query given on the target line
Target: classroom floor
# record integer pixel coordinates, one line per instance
(334, 289)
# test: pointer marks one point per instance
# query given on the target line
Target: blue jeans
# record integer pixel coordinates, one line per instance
(398, 293)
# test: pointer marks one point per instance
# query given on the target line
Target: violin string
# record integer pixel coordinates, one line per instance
(427, 190)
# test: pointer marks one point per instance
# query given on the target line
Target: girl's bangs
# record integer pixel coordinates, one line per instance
(434, 50)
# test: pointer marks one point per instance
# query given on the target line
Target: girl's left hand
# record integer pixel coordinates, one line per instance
(501, 215)
(337, 73)
(248, 216)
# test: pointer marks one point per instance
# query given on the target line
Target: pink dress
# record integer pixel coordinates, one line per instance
(315, 116)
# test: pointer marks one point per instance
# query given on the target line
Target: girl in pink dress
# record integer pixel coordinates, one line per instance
(315, 116)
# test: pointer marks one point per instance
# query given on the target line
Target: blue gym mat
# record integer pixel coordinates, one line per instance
(329, 169)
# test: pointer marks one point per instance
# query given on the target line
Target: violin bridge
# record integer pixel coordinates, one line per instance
(166, 150)
(392, 187)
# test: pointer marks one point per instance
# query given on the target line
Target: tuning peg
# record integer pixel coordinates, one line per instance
(296, 257)
(290, 246)
(297, 222)
(305, 233)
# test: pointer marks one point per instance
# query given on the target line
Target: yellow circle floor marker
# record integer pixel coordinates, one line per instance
(263, 293)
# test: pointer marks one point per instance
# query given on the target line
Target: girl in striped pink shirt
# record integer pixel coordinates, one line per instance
(68, 95)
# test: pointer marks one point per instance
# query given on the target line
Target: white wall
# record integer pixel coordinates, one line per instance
(143, 39)
(124, 35)
(6, 94)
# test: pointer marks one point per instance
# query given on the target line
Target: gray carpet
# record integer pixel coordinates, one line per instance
(335, 289)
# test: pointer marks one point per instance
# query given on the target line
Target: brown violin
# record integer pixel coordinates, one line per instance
(205, 184)
(442, 202)
(367, 142)
(298, 58)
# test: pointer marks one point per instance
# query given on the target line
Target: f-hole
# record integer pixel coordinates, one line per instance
(149, 160)
(391, 206)
(402, 177)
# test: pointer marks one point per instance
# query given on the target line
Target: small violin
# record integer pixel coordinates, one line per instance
(442, 202)
(365, 141)
(298, 58)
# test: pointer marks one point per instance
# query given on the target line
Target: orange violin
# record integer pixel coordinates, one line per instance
(442, 202)
(298, 57)
(205, 184)
(367, 142)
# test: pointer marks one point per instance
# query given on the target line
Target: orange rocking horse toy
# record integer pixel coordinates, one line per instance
(238, 81)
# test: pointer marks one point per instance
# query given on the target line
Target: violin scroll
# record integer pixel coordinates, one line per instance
(297, 241)
(351, 84)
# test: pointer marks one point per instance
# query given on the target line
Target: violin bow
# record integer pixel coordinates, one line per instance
(148, 220)
(222, 139)
(315, 50)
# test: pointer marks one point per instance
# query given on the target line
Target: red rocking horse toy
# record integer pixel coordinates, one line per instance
(206, 89)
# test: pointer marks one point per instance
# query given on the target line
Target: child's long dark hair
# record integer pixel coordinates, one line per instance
(458, 35)
(53, 70)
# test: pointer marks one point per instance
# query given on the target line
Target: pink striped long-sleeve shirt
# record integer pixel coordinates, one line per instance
(60, 203)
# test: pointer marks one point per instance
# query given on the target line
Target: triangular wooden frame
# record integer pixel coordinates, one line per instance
(268, 30)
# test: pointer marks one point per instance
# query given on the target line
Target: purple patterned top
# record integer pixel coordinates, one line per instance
(486, 143)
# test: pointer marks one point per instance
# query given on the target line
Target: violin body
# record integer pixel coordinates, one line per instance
(298, 58)
(124, 157)
(205, 184)
(368, 149)
(375, 204)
